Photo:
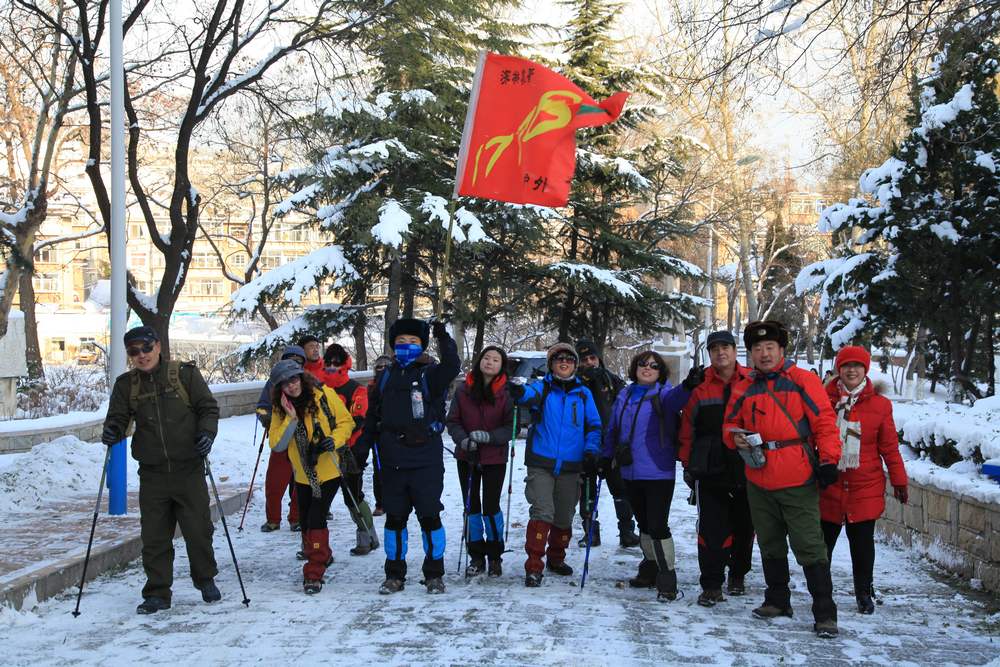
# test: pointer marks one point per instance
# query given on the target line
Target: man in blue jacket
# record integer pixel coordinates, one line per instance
(404, 422)
(564, 438)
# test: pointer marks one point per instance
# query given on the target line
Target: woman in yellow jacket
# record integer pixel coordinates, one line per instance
(312, 424)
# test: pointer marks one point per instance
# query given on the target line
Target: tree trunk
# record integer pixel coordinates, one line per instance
(392, 307)
(991, 351)
(483, 303)
(748, 286)
(956, 348)
(32, 349)
(810, 334)
(458, 331)
(360, 349)
(409, 282)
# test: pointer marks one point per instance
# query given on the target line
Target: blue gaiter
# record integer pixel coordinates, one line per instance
(407, 353)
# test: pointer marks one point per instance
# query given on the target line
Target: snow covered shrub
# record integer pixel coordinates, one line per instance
(64, 389)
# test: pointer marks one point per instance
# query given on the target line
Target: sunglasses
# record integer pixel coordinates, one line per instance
(135, 350)
(650, 364)
(564, 359)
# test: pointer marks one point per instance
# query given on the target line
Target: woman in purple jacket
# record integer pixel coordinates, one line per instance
(639, 439)
(480, 423)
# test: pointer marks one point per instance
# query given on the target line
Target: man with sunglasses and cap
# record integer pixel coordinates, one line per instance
(176, 419)
(715, 472)
(781, 421)
(604, 386)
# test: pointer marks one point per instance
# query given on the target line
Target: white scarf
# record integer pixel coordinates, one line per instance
(850, 432)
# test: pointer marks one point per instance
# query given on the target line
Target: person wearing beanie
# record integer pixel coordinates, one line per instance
(780, 420)
(564, 440)
(279, 469)
(355, 398)
(870, 441)
(176, 419)
(604, 386)
(406, 415)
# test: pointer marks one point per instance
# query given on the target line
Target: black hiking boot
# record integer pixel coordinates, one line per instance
(365, 544)
(777, 596)
(533, 579)
(586, 531)
(711, 598)
(496, 569)
(736, 585)
(476, 568)
(210, 592)
(769, 610)
(666, 586)
(151, 605)
(646, 577)
(435, 585)
(562, 569)
(866, 601)
(270, 527)
(391, 585)
(826, 629)
(628, 539)
(312, 586)
(626, 526)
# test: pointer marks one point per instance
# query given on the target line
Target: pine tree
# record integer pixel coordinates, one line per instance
(922, 253)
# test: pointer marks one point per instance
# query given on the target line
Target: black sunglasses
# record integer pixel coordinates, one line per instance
(564, 357)
(650, 364)
(135, 350)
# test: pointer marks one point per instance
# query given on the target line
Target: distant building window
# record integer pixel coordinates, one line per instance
(378, 291)
(204, 260)
(206, 288)
(47, 255)
(138, 261)
(47, 282)
(238, 260)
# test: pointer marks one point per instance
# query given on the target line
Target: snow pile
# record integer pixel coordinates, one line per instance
(53, 471)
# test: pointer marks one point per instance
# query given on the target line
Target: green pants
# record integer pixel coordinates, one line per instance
(166, 500)
(788, 516)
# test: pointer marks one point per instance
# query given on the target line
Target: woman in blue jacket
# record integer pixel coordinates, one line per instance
(640, 440)
(564, 438)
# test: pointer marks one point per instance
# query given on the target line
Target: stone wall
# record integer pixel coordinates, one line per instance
(958, 532)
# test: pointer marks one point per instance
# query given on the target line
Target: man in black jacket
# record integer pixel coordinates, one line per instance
(604, 385)
(406, 415)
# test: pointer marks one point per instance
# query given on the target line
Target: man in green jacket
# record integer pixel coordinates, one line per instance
(176, 419)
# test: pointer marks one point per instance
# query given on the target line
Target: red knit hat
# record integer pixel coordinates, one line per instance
(853, 354)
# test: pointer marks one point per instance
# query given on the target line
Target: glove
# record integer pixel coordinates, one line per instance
(689, 479)
(604, 467)
(348, 463)
(590, 463)
(694, 378)
(265, 420)
(902, 493)
(203, 443)
(827, 474)
(439, 329)
(482, 437)
(326, 444)
(516, 389)
(110, 435)
(468, 444)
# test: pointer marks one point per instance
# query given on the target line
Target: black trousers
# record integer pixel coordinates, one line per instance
(488, 478)
(650, 500)
(313, 511)
(861, 538)
(725, 533)
(613, 482)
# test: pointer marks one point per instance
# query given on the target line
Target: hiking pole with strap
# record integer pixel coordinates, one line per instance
(510, 476)
(465, 516)
(253, 477)
(93, 525)
(590, 533)
(222, 518)
(350, 495)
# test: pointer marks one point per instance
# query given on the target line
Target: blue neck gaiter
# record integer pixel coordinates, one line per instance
(407, 353)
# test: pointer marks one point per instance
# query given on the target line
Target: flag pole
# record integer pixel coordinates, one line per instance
(463, 158)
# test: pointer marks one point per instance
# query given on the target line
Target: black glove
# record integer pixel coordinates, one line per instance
(827, 474)
(689, 479)
(438, 329)
(203, 443)
(326, 444)
(265, 420)
(516, 391)
(604, 466)
(694, 378)
(590, 463)
(110, 435)
(348, 463)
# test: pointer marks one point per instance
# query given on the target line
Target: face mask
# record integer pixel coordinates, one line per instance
(407, 353)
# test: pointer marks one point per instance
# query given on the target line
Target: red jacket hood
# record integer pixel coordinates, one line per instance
(497, 385)
(338, 377)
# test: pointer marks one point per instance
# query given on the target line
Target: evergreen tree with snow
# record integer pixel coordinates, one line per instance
(921, 251)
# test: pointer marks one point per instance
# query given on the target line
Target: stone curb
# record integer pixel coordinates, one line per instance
(50, 580)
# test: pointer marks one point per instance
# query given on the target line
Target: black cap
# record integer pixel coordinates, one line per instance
(765, 330)
(307, 338)
(723, 337)
(586, 347)
(408, 326)
(141, 334)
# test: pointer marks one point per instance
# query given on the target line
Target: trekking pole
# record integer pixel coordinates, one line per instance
(510, 477)
(222, 518)
(465, 518)
(260, 450)
(93, 525)
(590, 533)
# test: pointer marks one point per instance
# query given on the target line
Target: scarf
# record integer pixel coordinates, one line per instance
(850, 431)
(407, 353)
(302, 445)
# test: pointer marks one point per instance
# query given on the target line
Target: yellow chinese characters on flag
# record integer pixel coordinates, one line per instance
(519, 142)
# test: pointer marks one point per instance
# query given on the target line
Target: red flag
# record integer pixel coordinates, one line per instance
(519, 143)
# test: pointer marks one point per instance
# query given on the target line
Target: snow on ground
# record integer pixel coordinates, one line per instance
(924, 619)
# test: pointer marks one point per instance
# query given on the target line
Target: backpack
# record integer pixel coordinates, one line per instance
(173, 379)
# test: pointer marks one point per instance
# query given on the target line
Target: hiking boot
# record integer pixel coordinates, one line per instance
(151, 605)
(365, 543)
(312, 586)
(210, 592)
(301, 555)
(666, 585)
(562, 569)
(435, 585)
(390, 586)
(295, 527)
(866, 601)
(476, 568)
(586, 532)
(378, 511)
(769, 610)
(496, 569)
(826, 629)
(646, 577)
(270, 527)
(628, 539)
(711, 598)
(533, 579)
(736, 585)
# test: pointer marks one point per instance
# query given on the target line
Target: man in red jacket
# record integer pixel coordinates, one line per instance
(781, 422)
(715, 472)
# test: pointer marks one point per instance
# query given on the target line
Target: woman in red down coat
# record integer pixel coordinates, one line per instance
(869, 438)
(480, 422)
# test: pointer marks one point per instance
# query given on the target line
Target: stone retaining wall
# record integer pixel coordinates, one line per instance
(958, 532)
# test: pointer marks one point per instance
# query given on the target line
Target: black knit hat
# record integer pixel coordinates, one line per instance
(765, 330)
(408, 326)
(585, 347)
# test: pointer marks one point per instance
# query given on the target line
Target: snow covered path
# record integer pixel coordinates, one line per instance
(923, 621)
